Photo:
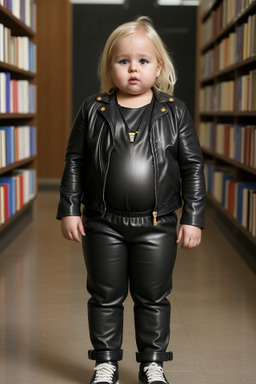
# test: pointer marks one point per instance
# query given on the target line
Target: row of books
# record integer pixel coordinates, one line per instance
(222, 16)
(240, 5)
(16, 189)
(219, 97)
(246, 92)
(239, 95)
(16, 96)
(237, 197)
(16, 143)
(237, 142)
(17, 50)
(236, 47)
(24, 10)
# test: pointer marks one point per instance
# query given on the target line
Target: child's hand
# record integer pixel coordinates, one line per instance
(72, 228)
(191, 236)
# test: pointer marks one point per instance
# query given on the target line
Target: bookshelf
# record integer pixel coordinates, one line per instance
(54, 81)
(18, 116)
(226, 115)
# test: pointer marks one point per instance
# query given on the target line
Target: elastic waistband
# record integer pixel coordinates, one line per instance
(129, 213)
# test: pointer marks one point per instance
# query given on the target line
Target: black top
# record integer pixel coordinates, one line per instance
(130, 180)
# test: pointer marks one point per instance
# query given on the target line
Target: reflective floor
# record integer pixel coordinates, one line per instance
(43, 320)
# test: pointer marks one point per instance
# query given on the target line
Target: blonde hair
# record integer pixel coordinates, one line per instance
(165, 82)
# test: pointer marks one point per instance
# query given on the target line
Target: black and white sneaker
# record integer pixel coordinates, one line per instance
(105, 373)
(152, 373)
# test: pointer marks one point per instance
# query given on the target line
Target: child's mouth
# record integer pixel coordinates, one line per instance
(133, 80)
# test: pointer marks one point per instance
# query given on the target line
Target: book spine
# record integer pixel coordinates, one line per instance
(24, 10)
(16, 143)
(238, 198)
(15, 191)
(236, 142)
(23, 95)
(17, 50)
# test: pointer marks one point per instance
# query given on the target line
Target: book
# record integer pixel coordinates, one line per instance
(232, 142)
(2, 208)
(33, 149)
(5, 208)
(239, 187)
(7, 92)
(231, 197)
(16, 96)
(23, 10)
(220, 138)
(220, 176)
(226, 178)
(246, 208)
(11, 193)
(28, 183)
(247, 145)
(2, 92)
(252, 95)
(9, 145)
(252, 221)
(253, 35)
(238, 139)
(2, 28)
(2, 148)
(17, 189)
(16, 143)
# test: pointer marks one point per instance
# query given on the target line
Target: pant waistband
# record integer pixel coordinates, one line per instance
(129, 213)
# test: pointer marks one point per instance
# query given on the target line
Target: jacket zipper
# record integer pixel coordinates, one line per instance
(108, 164)
(154, 213)
(105, 178)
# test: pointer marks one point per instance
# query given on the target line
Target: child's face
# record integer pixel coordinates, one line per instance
(134, 65)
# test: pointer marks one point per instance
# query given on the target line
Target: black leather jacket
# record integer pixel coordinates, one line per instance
(177, 159)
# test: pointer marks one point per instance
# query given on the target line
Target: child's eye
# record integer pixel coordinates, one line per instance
(143, 61)
(123, 61)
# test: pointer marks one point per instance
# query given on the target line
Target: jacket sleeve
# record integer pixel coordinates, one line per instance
(71, 187)
(191, 164)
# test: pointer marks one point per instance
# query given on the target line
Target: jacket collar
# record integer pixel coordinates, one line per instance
(159, 109)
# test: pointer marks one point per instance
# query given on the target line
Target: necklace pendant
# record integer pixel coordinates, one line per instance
(132, 136)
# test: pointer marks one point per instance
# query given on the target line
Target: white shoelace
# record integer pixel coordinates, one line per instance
(154, 372)
(104, 373)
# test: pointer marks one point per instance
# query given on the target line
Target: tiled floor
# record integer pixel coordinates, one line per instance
(43, 324)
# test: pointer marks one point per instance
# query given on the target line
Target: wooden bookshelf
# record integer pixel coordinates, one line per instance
(18, 28)
(18, 164)
(20, 73)
(227, 54)
(54, 80)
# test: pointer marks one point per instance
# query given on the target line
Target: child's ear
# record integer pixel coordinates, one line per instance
(159, 69)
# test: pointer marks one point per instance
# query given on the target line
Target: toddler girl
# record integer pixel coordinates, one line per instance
(133, 158)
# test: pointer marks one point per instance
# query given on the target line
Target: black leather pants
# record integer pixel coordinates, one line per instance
(118, 251)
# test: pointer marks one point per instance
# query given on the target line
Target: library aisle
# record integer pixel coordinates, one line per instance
(44, 334)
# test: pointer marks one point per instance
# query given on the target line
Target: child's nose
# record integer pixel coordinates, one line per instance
(133, 68)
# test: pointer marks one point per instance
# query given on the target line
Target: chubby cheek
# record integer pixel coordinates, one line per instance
(117, 77)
